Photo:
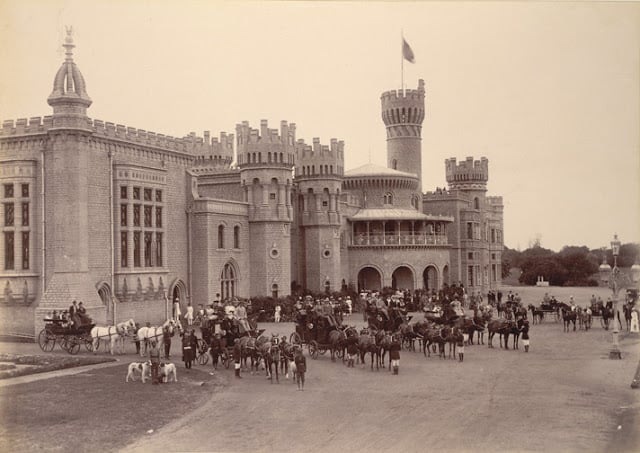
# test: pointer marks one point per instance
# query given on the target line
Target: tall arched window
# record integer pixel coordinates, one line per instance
(236, 237)
(228, 282)
(476, 203)
(220, 236)
(388, 198)
(394, 164)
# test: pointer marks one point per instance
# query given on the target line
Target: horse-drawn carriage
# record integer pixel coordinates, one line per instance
(314, 329)
(67, 334)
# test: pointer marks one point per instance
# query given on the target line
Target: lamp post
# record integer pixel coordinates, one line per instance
(612, 277)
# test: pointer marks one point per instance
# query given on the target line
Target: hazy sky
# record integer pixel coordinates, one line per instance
(548, 92)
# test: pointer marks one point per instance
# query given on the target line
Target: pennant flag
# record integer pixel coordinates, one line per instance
(407, 53)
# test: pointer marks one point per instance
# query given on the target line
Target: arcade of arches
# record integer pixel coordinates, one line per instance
(370, 279)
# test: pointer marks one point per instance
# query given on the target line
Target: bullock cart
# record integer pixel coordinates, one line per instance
(69, 337)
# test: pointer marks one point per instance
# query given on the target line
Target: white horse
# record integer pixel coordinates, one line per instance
(154, 333)
(112, 334)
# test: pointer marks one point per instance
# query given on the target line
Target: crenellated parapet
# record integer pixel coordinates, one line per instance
(317, 160)
(467, 174)
(265, 146)
(403, 112)
(22, 126)
(212, 153)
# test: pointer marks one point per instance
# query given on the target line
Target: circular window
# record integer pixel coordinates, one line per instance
(326, 253)
(274, 253)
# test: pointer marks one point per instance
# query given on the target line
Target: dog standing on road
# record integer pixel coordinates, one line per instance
(168, 372)
(144, 368)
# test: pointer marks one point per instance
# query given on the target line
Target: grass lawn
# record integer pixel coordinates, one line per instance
(13, 365)
(95, 408)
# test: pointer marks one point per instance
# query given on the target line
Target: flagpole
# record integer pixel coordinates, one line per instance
(402, 61)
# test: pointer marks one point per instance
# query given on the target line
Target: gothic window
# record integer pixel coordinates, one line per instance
(124, 192)
(228, 282)
(25, 190)
(394, 164)
(220, 236)
(25, 214)
(8, 250)
(147, 216)
(469, 230)
(147, 249)
(159, 249)
(8, 214)
(124, 248)
(136, 249)
(158, 217)
(25, 250)
(123, 215)
(470, 276)
(136, 215)
(274, 290)
(8, 190)
(236, 237)
(388, 198)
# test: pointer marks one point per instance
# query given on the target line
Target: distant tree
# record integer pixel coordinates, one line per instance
(544, 266)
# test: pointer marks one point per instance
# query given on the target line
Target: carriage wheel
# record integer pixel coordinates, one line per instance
(313, 349)
(295, 338)
(88, 343)
(47, 342)
(71, 345)
(203, 358)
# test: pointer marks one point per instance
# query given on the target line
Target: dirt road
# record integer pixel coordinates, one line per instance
(564, 395)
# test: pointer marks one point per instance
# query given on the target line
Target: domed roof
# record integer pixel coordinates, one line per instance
(69, 85)
(376, 170)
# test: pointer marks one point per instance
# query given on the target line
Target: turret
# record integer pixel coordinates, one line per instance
(69, 97)
(212, 154)
(468, 174)
(403, 113)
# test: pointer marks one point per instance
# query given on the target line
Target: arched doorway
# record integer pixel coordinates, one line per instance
(369, 279)
(177, 292)
(430, 278)
(402, 278)
(228, 282)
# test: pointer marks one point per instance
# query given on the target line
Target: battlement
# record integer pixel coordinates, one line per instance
(467, 173)
(265, 145)
(22, 126)
(318, 159)
(410, 98)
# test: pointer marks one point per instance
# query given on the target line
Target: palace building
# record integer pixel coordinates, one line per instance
(128, 220)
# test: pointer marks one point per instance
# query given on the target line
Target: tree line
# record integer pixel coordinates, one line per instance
(571, 266)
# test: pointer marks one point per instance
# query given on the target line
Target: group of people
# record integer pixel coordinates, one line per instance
(75, 316)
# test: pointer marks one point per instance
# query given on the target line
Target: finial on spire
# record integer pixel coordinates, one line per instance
(68, 43)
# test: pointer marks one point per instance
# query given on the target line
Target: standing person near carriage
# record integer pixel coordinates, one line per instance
(176, 309)
(276, 314)
(241, 315)
(73, 314)
(154, 358)
(189, 314)
(166, 341)
(215, 348)
(188, 350)
(525, 335)
(237, 352)
(394, 353)
(301, 368)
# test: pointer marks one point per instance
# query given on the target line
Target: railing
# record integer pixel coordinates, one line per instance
(379, 239)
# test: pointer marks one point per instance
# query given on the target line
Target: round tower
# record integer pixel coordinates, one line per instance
(319, 175)
(468, 175)
(265, 159)
(403, 113)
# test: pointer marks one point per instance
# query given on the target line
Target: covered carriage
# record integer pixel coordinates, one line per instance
(314, 329)
(70, 336)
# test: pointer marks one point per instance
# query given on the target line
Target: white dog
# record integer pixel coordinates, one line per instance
(167, 371)
(144, 368)
(293, 370)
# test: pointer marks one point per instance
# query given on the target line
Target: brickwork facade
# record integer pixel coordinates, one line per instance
(128, 220)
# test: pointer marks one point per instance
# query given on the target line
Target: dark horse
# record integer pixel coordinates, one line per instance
(607, 316)
(568, 316)
(627, 309)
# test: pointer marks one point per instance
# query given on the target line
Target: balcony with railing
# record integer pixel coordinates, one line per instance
(402, 239)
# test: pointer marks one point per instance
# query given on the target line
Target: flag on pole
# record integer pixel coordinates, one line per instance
(407, 53)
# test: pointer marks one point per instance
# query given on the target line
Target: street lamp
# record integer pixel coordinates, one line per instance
(612, 277)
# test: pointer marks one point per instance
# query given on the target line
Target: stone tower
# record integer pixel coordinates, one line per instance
(403, 113)
(66, 184)
(319, 175)
(266, 160)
